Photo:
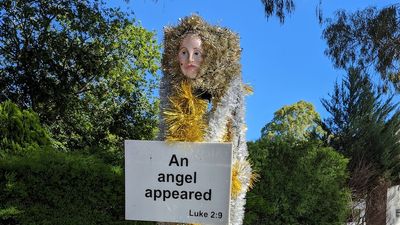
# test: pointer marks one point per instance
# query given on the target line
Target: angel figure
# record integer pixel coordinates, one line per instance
(202, 96)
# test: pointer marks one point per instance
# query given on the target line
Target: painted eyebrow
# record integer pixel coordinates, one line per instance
(193, 48)
(198, 49)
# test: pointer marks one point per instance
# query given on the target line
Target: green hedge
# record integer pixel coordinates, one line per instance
(39, 185)
(301, 183)
(47, 187)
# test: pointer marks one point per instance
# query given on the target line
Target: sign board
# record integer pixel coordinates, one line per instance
(177, 182)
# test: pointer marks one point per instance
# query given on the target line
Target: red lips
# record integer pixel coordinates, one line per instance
(191, 66)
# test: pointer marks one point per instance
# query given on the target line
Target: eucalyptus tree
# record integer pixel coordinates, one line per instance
(367, 39)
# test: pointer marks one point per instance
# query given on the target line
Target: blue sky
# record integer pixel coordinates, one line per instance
(284, 63)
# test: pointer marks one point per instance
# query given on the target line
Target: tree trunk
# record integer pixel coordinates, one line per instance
(376, 203)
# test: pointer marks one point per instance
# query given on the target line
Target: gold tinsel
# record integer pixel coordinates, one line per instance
(248, 89)
(228, 134)
(237, 185)
(185, 117)
(253, 179)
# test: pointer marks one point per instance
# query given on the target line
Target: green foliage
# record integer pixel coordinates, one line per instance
(366, 38)
(20, 130)
(278, 7)
(364, 126)
(299, 121)
(49, 187)
(301, 183)
(87, 70)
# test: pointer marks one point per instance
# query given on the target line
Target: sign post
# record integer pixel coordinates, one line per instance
(178, 182)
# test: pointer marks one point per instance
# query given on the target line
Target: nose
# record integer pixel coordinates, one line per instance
(191, 58)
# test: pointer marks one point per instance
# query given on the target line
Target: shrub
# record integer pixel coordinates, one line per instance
(20, 130)
(301, 183)
(49, 187)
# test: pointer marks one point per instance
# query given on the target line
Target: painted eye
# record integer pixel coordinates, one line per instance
(183, 54)
(197, 55)
(197, 52)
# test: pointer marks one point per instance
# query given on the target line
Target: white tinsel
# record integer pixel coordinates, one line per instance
(232, 107)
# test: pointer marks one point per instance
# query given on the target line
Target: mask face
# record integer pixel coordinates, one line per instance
(190, 56)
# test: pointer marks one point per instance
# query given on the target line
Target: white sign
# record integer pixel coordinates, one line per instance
(177, 182)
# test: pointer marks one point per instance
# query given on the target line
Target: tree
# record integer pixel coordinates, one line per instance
(364, 127)
(299, 121)
(87, 70)
(301, 183)
(278, 7)
(368, 39)
(282, 8)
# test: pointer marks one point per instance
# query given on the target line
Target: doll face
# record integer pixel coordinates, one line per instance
(190, 56)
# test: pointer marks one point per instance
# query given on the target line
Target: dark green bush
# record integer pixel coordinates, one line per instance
(20, 130)
(48, 187)
(301, 183)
